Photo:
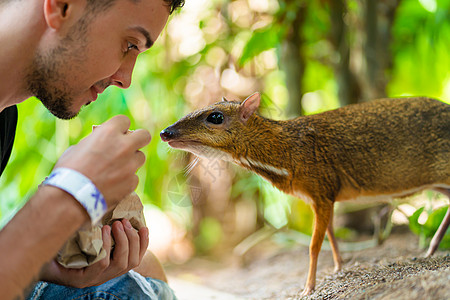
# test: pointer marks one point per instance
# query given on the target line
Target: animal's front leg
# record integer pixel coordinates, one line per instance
(322, 214)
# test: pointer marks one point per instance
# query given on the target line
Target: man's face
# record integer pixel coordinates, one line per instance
(98, 51)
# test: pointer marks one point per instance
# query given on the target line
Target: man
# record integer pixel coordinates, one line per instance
(66, 52)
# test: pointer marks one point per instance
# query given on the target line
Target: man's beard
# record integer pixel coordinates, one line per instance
(41, 81)
(47, 76)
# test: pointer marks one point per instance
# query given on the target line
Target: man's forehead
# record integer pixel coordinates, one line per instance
(145, 17)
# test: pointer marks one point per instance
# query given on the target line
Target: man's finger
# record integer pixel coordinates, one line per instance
(144, 240)
(121, 122)
(107, 243)
(140, 138)
(120, 254)
(139, 158)
(133, 244)
(92, 272)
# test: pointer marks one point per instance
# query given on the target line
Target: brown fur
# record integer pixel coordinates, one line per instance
(384, 147)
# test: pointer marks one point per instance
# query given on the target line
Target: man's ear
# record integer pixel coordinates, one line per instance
(249, 106)
(56, 12)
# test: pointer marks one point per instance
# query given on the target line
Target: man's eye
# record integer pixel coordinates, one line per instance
(131, 46)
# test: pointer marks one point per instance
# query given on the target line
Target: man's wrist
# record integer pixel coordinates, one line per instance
(81, 188)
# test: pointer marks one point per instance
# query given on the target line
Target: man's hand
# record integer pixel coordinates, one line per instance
(109, 157)
(130, 247)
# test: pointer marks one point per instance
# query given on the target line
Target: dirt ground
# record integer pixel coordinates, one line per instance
(394, 270)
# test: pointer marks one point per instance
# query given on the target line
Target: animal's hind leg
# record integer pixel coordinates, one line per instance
(322, 214)
(334, 245)
(442, 228)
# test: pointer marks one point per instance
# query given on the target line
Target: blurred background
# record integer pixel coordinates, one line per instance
(305, 57)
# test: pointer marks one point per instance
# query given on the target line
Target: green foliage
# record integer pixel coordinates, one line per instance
(210, 235)
(426, 231)
(344, 233)
(301, 216)
(420, 49)
(190, 66)
(261, 40)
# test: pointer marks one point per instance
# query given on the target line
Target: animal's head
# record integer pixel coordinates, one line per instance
(213, 131)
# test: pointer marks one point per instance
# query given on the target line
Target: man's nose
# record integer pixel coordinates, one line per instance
(122, 77)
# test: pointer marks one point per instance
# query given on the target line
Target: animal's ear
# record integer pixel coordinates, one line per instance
(249, 106)
(224, 99)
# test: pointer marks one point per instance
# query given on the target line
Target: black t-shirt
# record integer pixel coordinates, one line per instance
(8, 123)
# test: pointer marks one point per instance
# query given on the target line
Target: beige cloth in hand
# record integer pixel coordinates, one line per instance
(85, 247)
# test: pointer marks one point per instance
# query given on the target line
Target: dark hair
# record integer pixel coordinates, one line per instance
(174, 4)
(101, 5)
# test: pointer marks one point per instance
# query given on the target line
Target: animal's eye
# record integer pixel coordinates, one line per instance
(215, 118)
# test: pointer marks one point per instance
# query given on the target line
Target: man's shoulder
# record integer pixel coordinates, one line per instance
(8, 123)
(8, 115)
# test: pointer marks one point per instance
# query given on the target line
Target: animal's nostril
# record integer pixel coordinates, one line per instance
(166, 135)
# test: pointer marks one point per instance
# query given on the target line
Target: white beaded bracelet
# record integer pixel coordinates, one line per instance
(81, 188)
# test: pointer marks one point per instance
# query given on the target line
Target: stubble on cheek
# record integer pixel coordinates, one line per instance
(46, 82)
(53, 75)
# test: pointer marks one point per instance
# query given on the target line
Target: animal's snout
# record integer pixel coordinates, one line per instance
(167, 134)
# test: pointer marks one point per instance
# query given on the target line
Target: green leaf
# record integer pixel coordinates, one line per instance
(427, 230)
(445, 243)
(261, 40)
(414, 221)
(434, 220)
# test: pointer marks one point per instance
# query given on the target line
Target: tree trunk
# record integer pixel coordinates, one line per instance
(378, 18)
(293, 62)
(349, 90)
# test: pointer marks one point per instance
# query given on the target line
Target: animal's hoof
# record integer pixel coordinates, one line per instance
(337, 269)
(307, 291)
(430, 252)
